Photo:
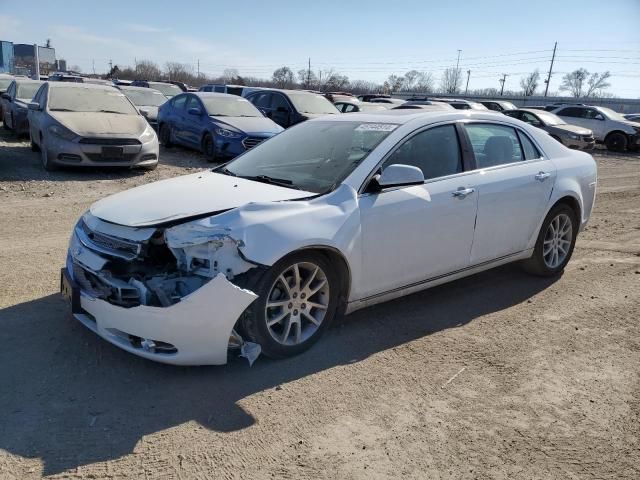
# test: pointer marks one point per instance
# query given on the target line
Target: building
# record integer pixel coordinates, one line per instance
(6, 57)
(61, 65)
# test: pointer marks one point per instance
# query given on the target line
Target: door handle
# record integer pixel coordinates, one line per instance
(463, 192)
(542, 176)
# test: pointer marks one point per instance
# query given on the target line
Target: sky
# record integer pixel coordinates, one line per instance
(366, 40)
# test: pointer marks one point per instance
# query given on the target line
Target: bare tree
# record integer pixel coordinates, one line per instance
(230, 75)
(331, 80)
(395, 82)
(147, 70)
(424, 82)
(530, 83)
(451, 80)
(179, 72)
(283, 77)
(596, 83)
(307, 77)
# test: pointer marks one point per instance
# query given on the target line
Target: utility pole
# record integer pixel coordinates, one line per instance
(37, 59)
(467, 88)
(502, 81)
(198, 68)
(93, 66)
(309, 74)
(110, 66)
(457, 71)
(553, 57)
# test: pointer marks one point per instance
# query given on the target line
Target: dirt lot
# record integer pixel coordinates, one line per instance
(547, 385)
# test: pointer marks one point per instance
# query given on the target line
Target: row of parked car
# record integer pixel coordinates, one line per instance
(101, 123)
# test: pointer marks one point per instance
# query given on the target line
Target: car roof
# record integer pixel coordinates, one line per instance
(27, 80)
(90, 86)
(287, 92)
(214, 95)
(131, 88)
(391, 116)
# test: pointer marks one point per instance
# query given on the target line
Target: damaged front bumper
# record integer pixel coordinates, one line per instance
(195, 327)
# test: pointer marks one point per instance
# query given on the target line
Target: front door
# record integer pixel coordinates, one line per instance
(416, 233)
(514, 184)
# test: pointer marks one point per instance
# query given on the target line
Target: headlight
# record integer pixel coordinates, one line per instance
(62, 132)
(148, 135)
(573, 136)
(223, 132)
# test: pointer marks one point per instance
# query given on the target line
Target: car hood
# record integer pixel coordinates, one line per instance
(97, 124)
(150, 112)
(250, 124)
(185, 197)
(571, 128)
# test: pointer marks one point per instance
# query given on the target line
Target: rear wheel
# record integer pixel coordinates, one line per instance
(165, 135)
(616, 142)
(555, 243)
(209, 148)
(298, 299)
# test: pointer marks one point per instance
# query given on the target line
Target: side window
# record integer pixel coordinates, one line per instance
(192, 102)
(261, 100)
(435, 151)
(494, 144)
(571, 112)
(530, 150)
(179, 101)
(493, 106)
(514, 114)
(278, 101)
(219, 89)
(348, 108)
(12, 89)
(592, 114)
(340, 106)
(206, 89)
(531, 119)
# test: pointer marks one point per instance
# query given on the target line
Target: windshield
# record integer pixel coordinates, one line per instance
(550, 118)
(508, 106)
(79, 99)
(312, 156)
(612, 115)
(27, 90)
(145, 97)
(5, 82)
(168, 89)
(311, 103)
(229, 107)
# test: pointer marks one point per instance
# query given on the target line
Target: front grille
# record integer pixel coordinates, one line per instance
(117, 245)
(110, 141)
(251, 142)
(98, 157)
(588, 138)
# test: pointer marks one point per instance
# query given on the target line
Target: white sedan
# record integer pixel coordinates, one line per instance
(330, 216)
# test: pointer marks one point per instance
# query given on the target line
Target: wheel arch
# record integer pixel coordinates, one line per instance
(615, 131)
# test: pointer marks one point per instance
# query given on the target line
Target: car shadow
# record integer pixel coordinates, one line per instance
(71, 399)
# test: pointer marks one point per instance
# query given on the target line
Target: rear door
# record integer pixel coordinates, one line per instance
(262, 102)
(176, 117)
(192, 126)
(514, 186)
(281, 110)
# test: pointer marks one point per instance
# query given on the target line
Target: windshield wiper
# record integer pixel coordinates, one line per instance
(111, 111)
(225, 171)
(283, 182)
(60, 110)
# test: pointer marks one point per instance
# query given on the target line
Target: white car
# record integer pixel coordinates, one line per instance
(328, 217)
(608, 127)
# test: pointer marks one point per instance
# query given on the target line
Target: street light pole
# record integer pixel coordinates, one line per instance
(502, 81)
(466, 90)
(457, 71)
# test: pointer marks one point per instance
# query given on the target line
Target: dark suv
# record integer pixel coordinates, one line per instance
(288, 107)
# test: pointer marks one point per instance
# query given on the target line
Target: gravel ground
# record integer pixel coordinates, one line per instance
(500, 375)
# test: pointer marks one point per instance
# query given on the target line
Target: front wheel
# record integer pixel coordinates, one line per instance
(298, 299)
(209, 148)
(46, 161)
(165, 135)
(555, 243)
(616, 142)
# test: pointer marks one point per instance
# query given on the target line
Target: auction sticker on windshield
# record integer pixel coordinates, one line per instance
(376, 127)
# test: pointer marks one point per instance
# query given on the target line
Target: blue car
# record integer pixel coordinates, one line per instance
(219, 125)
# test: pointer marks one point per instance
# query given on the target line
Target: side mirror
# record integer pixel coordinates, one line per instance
(398, 176)
(194, 111)
(34, 106)
(145, 111)
(599, 117)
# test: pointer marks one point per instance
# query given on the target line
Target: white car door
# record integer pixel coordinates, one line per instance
(514, 184)
(416, 233)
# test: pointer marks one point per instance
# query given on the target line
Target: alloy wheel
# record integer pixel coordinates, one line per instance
(557, 241)
(297, 303)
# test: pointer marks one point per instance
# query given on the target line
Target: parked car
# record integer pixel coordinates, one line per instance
(333, 215)
(289, 107)
(79, 124)
(147, 100)
(346, 106)
(571, 136)
(15, 104)
(367, 97)
(429, 106)
(5, 81)
(497, 105)
(388, 101)
(167, 89)
(219, 125)
(334, 97)
(182, 86)
(63, 77)
(608, 127)
(460, 104)
(239, 90)
(634, 117)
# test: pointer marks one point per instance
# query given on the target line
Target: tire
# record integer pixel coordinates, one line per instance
(616, 142)
(294, 332)
(165, 135)
(34, 145)
(209, 148)
(543, 262)
(46, 162)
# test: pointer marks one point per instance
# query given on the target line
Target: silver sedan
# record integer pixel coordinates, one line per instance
(77, 124)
